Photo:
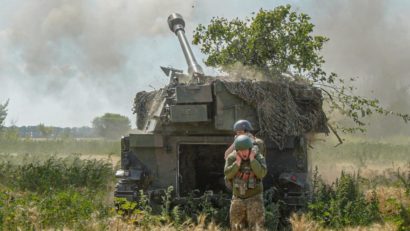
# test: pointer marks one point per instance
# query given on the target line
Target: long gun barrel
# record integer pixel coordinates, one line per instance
(177, 24)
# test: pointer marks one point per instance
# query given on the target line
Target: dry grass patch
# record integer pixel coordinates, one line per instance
(389, 198)
(118, 223)
(301, 222)
(374, 227)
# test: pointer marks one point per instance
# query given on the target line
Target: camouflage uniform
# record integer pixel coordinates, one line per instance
(249, 211)
(247, 201)
(258, 146)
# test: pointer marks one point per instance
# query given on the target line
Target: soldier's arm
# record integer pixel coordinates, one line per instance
(258, 166)
(228, 151)
(261, 146)
(231, 168)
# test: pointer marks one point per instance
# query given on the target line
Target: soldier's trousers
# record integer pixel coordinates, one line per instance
(247, 213)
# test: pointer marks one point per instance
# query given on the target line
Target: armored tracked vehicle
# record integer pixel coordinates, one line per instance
(184, 129)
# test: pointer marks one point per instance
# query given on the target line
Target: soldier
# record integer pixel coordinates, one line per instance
(246, 170)
(244, 127)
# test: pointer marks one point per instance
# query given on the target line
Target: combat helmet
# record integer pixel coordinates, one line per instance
(243, 142)
(242, 125)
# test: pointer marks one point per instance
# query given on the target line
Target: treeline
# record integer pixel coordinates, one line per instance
(108, 126)
(42, 131)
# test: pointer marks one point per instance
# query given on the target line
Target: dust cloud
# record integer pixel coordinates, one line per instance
(98, 32)
(370, 40)
(78, 59)
(238, 71)
(71, 59)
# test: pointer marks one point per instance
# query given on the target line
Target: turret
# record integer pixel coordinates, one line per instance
(177, 24)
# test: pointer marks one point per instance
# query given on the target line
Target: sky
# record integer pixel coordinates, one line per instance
(64, 62)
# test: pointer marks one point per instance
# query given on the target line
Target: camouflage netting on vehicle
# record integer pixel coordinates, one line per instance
(283, 107)
(142, 105)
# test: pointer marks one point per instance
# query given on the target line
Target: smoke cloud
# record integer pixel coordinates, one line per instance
(97, 33)
(370, 40)
(71, 58)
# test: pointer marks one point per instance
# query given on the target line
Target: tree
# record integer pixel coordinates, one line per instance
(45, 130)
(3, 113)
(12, 132)
(66, 133)
(280, 41)
(111, 126)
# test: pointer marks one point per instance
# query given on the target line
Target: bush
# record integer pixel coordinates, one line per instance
(43, 147)
(396, 208)
(342, 204)
(404, 179)
(58, 174)
(273, 218)
(33, 211)
(207, 210)
(55, 193)
(71, 208)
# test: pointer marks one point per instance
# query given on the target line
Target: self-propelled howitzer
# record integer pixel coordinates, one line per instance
(184, 128)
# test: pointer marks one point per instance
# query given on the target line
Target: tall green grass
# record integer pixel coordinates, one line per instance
(54, 193)
(342, 203)
(356, 201)
(60, 146)
(377, 153)
(360, 153)
(58, 174)
(41, 189)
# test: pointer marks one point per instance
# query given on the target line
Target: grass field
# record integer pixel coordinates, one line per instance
(60, 146)
(359, 154)
(68, 184)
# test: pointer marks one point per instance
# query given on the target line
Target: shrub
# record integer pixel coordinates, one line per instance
(41, 147)
(404, 179)
(207, 210)
(273, 211)
(71, 209)
(33, 211)
(342, 204)
(55, 193)
(58, 174)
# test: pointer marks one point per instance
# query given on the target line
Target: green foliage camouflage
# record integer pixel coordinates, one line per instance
(281, 41)
(275, 41)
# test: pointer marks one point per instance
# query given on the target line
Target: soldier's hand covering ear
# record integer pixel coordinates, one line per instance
(252, 155)
(238, 159)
